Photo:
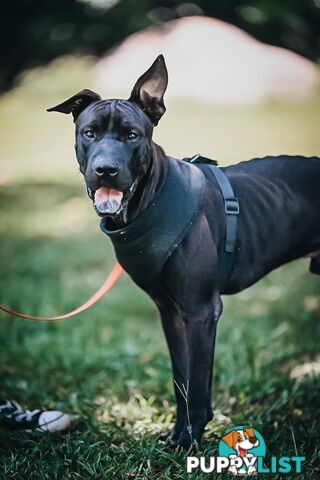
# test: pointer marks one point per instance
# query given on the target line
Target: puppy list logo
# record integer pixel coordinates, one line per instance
(241, 452)
(242, 446)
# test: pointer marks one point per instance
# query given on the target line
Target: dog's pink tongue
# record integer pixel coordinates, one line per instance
(107, 200)
(242, 452)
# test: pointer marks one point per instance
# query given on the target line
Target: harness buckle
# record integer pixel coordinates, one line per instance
(194, 158)
(231, 206)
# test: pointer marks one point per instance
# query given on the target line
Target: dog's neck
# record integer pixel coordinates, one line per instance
(146, 189)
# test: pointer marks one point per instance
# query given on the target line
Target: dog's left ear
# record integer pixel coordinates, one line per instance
(229, 438)
(76, 103)
(149, 90)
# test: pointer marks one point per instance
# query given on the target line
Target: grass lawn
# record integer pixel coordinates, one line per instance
(109, 367)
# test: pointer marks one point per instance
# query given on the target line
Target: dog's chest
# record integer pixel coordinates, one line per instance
(143, 246)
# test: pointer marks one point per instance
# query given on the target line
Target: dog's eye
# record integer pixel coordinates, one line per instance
(132, 135)
(89, 133)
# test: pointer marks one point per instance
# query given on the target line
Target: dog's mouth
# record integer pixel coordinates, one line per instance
(109, 201)
(242, 451)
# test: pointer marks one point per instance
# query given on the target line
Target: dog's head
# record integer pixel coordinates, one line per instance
(114, 137)
(241, 440)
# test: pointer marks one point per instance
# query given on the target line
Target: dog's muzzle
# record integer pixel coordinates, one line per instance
(109, 201)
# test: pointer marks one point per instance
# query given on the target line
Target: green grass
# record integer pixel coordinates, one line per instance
(109, 367)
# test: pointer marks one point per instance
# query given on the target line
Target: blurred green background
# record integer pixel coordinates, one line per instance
(109, 367)
(34, 32)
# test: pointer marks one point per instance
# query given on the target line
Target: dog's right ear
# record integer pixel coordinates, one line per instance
(249, 431)
(76, 103)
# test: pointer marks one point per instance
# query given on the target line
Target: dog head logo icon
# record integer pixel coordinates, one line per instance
(242, 445)
(241, 440)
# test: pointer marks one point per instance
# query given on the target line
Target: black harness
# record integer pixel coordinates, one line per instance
(227, 251)
(143, 246)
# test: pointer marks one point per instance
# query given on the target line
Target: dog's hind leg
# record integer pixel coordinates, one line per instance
(315, 265)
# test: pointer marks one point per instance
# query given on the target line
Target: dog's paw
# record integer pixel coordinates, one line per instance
(251, 470)
(169, 436)
(183, 442)
(233, 470)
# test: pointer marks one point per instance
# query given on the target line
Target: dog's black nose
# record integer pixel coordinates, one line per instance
(106, 171)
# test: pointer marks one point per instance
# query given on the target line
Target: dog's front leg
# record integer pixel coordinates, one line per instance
(200, 332)
(191, 341)
(175, 333)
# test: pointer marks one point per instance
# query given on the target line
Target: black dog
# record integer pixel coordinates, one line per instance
(126, 174)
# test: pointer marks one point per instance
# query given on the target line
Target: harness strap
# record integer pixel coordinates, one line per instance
(231, 209)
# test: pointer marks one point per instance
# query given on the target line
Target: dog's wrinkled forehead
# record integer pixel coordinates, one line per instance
(114, 113)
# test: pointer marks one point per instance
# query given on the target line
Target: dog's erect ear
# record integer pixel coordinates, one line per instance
(229, 439)
(76, 103)
(149, 90)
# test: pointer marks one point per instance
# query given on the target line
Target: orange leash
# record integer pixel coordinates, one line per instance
(112, 278)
